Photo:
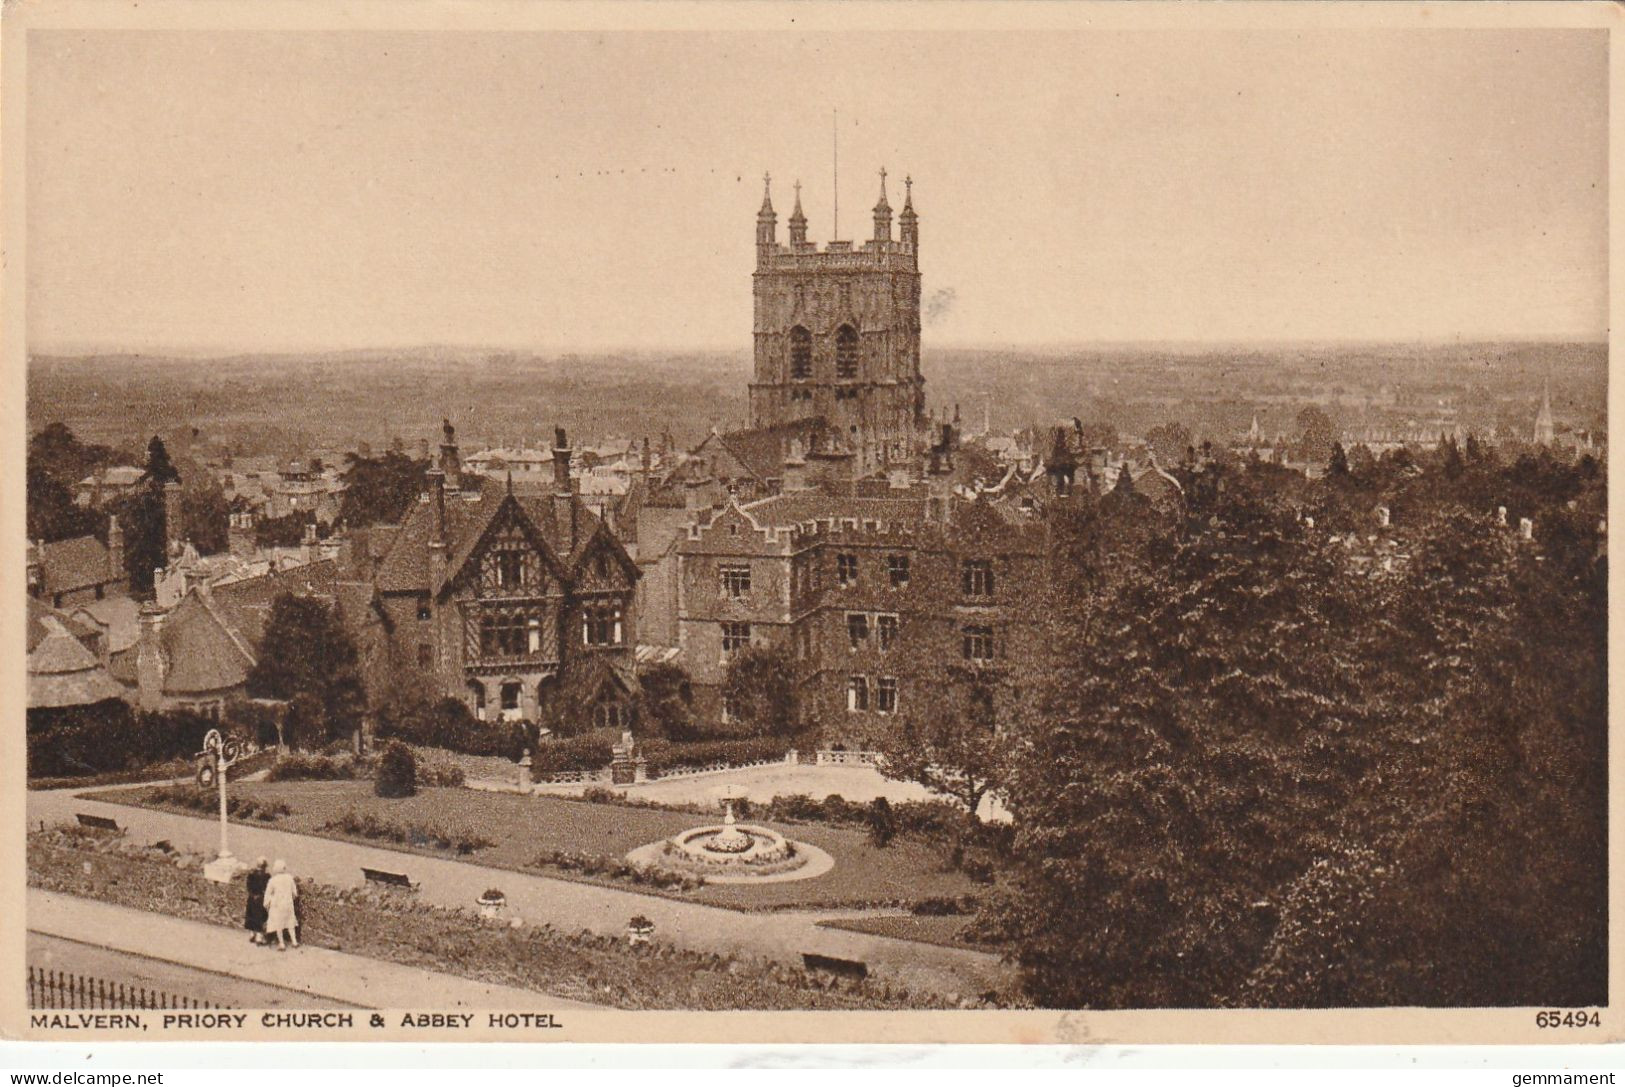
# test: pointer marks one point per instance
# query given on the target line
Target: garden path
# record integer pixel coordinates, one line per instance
(333, 975)
(567, 906)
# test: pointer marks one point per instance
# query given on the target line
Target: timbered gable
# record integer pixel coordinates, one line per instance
(508, 558)
(604, 566)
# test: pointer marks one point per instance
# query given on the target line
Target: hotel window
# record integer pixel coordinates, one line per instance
(885, 631)
(502, 634)
(897, 570)
(800, 353)
(735, 636)
(976, 577)
(976, 643)
(510, 569)
(857, 628)
(736, 581)
(425, 611)
(857, 694)
(886, 694)
(846, 569)
(846, 352)
(601, 624)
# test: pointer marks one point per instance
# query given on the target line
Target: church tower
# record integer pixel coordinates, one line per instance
(838, 333)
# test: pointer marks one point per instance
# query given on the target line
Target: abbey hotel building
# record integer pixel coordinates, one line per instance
(838, 526)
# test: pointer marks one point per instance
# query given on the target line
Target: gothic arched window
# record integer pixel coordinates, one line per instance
(800, 353)
(846, 352)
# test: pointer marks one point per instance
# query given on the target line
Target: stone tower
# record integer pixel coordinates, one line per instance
(838, 333)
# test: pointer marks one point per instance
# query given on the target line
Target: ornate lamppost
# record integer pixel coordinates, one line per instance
(219, 753)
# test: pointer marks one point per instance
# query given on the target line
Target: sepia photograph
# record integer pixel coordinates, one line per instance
(1090, 524)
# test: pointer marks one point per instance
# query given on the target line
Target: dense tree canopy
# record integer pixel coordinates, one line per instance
(308, 658)
(1270, 768)
(758, 691)
(379, 490)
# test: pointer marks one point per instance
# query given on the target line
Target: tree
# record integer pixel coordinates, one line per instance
(1338, 466)
(1169, 442)
(207, 516)
(666, 701)
(379, 490)
(308, 657)
(285, 531)
(1316, 434)
(758, 691)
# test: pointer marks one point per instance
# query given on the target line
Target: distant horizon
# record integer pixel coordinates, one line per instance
(88, 350)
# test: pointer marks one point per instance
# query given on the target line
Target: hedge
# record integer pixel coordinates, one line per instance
(448, 724)
(571, 753)
(664, 756)
(109, 736)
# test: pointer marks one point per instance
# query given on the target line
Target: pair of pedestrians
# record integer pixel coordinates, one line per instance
(273, 905)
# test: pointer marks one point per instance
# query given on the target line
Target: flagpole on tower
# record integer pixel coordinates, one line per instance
(835, 147)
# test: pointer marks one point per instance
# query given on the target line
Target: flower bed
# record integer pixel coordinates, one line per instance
(394, 928)
(190, 798)
(371, 827)
(596, 864)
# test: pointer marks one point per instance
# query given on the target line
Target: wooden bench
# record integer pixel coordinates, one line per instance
(388, 879)
(850, 968)
(97, 822)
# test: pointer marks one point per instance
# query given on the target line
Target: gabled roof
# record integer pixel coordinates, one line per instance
(39, 611)
(405, 566)
(204, 654)
(120, 614)
(74, 564)
(245, 605)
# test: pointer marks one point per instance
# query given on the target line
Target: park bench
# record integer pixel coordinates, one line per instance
(388, 879)
(97, 822)
(850, 968)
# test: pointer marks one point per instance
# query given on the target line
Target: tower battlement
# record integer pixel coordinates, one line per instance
(837, 332)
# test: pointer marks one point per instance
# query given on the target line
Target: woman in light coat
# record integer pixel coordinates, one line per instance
(280, 895)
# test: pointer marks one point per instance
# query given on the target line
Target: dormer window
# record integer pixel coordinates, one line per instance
(510, 569)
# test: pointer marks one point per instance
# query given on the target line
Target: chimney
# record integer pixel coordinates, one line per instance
(149, 659)
(648, 459)
(174, 530)
(437, 528)
(115, 550)
(1526, 528)
(562, 483)
(451, 462)
(307, 546)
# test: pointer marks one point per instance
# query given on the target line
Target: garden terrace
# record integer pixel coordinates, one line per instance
(394, 928)
(521, 828)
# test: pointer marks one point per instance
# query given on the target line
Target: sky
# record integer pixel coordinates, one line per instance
(200, 191)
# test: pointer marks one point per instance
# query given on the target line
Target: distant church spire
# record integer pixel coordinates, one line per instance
(908, 224)
(767, 222)
(798, 220)
(1545, 429)
(882, 212)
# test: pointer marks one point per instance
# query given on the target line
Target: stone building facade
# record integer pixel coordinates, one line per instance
(520, 602)
(837, 333)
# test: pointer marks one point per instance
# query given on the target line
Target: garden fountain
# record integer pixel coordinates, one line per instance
(734, 852)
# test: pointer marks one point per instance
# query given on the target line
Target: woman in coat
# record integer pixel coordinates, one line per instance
(280, 895)
(254, 918)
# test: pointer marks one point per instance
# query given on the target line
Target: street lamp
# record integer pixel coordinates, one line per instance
(218, 754)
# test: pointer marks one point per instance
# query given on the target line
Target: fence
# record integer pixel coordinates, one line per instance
(53, 989)
(849, 758)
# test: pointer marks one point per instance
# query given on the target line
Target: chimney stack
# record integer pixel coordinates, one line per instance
(1526, 528)
(562, 482)
(307, 546)
(174, 530)
(451, 462)
(115, 550)
(149, 659)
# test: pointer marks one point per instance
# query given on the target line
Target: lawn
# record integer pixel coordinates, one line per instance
(380, 925)
(946, 931)
(520, 827)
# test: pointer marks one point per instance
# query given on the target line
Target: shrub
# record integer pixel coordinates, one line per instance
(664, 757)
(573, 753)
(437, 770)
(449, 724)
(314, 768)
(109, 736)
(207, 801)
(943, 907)
(397, 772)
(882, 824)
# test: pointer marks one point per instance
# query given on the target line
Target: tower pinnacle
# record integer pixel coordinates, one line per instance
(766, 220)
(882, 212)
(798, 220)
